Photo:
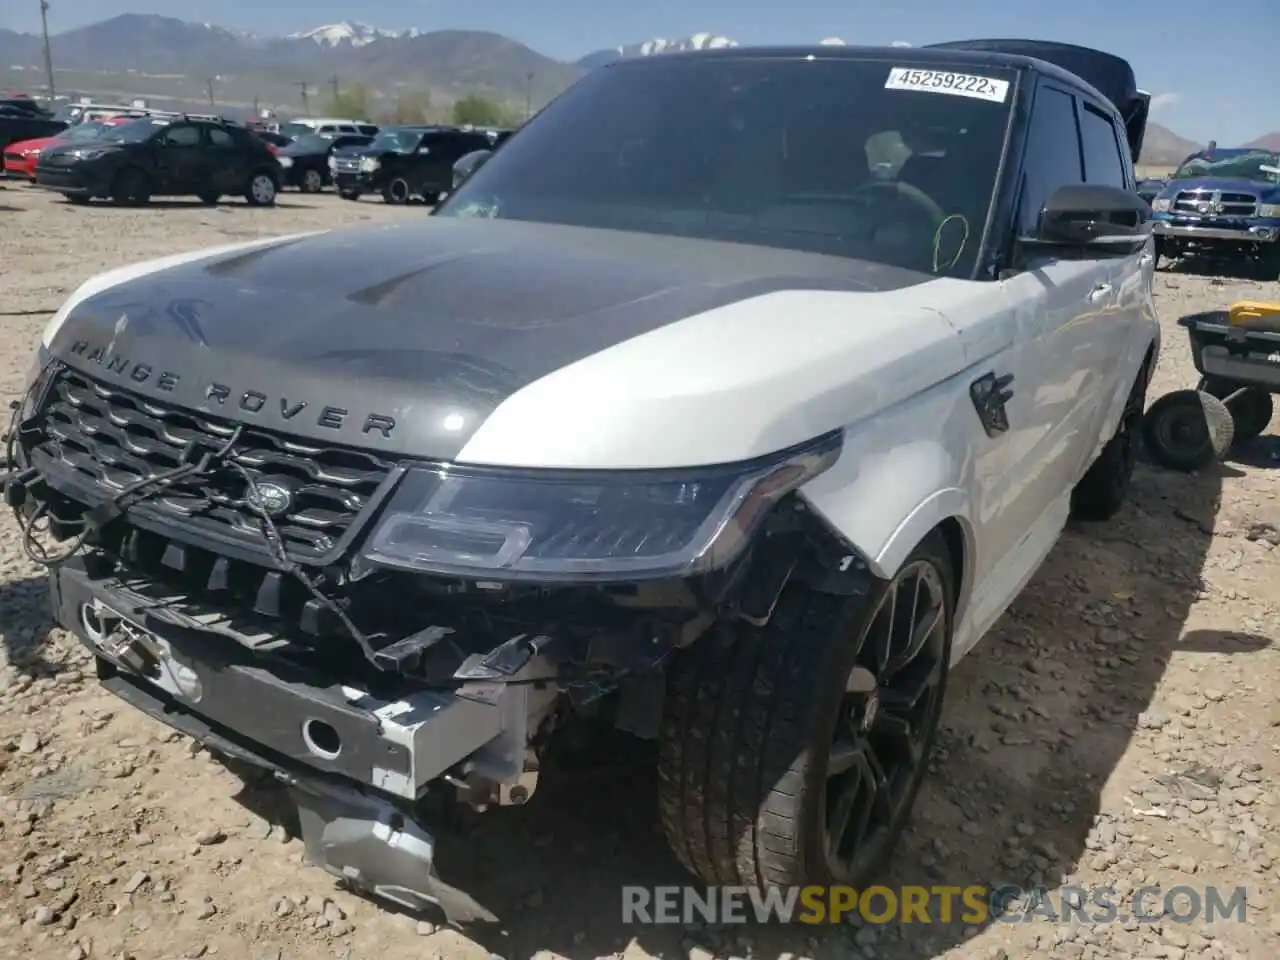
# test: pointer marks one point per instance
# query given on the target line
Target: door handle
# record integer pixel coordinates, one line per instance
(1100, 292)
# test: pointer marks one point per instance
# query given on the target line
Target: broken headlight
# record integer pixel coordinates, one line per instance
(567, 525)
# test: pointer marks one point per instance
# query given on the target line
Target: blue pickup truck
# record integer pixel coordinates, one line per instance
(1222, 204)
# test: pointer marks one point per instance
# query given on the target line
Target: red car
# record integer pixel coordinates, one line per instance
(20, 158)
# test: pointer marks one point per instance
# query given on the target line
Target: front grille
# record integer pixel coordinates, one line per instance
(1233, 204)
(115, 438)
(346, 165)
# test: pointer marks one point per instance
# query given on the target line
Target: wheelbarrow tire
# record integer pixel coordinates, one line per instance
(1187, 430)
(1251, 411)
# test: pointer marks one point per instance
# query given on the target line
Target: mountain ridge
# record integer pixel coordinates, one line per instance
(447, 62)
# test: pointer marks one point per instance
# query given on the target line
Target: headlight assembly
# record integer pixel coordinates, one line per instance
(370, 164)
(1269, 211)
(285, 162)
(1161, 204)
(492, 523)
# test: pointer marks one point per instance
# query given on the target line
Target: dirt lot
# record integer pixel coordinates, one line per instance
(1118, 728)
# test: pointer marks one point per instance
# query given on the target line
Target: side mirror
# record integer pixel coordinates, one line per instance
(1092, 221)
(468, 165)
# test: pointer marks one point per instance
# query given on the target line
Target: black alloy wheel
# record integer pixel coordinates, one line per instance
(886, 719)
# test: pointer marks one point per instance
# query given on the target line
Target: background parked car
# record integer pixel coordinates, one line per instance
(1150, 188)
(471, 162)
(305, 161)
(135, 161)
(24, 123)
(330, 125)
(20, 158)
(407, 161)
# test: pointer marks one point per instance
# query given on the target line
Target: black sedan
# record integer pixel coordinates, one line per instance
(140, 159)
(305, 161)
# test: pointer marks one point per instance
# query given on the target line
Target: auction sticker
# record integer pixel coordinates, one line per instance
(943, 81)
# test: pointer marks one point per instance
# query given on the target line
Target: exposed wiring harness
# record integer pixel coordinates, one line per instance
(197, 462)
(206, 462)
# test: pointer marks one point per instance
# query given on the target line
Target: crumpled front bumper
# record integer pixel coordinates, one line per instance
(352, 763)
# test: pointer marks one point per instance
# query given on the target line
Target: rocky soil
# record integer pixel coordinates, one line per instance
(1119, 728)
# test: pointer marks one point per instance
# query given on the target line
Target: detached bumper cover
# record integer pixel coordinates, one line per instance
(352, 762)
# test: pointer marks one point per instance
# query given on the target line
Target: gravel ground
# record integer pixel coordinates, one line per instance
(1117, 728)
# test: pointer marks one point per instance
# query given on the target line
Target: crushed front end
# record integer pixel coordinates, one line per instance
(284, 601)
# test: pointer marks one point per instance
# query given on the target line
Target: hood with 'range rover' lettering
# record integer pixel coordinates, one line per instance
(407, 338)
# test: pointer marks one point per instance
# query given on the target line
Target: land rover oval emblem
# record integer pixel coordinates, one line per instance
(271, 498)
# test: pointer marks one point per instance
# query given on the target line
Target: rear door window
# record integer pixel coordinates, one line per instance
(1104, 163)
(183, 135)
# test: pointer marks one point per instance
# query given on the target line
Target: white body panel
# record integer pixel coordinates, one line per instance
(893, 370)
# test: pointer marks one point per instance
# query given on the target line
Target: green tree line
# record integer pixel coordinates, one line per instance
(355, 101)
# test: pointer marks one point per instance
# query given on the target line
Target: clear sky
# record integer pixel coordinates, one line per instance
(1204, 61)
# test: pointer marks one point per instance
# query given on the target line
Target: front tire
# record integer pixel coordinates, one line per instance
(397, 191)
(261, 191)
(131, 188)
(792, 753)
(1267, 265)
(312, 182)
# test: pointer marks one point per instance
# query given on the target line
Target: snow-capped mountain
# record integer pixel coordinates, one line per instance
(647, 48)
(347, 32)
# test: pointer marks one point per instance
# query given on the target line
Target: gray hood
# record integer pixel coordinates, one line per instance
(376, 336)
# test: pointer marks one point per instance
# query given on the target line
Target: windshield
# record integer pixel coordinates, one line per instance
(135, 131)
(830, 156)
(83, 131)
(296, 129)
(311, 143)
(400, 140)
(1246, 165)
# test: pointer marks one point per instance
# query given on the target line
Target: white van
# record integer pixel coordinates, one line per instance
(327, 125)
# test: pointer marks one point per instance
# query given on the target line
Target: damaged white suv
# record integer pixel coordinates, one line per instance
(735, 427)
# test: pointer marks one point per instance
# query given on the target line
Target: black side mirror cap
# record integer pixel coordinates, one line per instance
(1092, 220)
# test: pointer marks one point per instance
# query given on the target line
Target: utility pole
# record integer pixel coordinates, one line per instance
(528, 97)
(208, 86)
(333, 83)
(48, 56)
(306, 105)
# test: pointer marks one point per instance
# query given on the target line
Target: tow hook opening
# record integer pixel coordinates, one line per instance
(97, 626)
(321, 739)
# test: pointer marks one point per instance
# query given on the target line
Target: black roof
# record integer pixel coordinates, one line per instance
(940, 55)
